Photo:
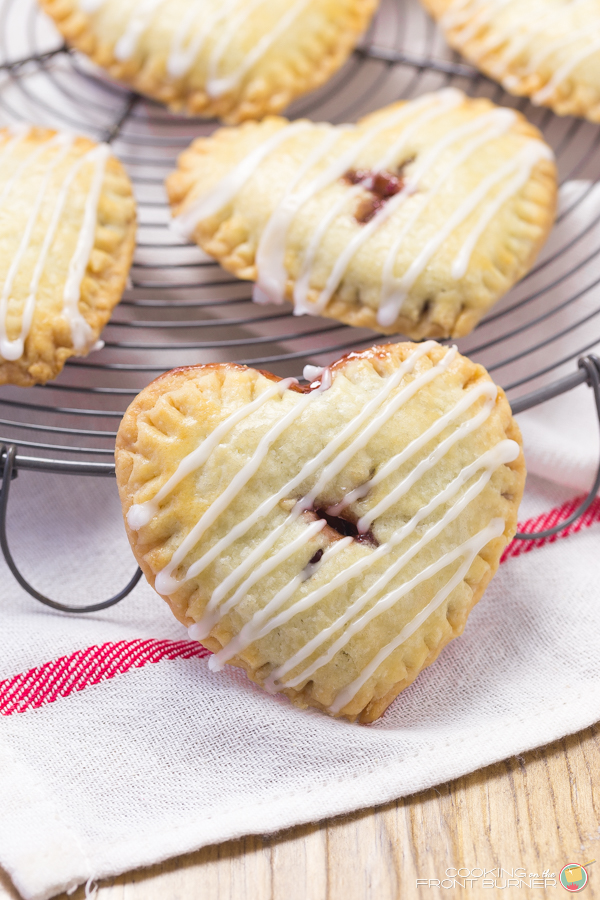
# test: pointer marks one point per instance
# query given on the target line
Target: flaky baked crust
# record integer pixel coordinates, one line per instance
(437, 303)
(543, 50)
(302, 56)
(172, 417)
(46, 180)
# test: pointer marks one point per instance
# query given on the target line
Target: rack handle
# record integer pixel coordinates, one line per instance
(7, 458)
(591, 364)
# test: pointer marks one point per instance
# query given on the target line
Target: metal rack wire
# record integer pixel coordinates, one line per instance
(181, 308)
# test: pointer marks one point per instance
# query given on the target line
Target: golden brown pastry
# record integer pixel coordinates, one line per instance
(67, 234)
(414, 221)
(329, 540)
(234, 59)
(547, 50)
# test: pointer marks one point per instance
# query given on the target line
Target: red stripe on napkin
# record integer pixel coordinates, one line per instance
(549, 520)
(62, 676)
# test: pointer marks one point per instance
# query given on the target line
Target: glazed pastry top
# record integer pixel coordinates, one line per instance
(190, 27)
(236, 59)
(67, 226)
(420, 215)
(295, 531)
(546, 49)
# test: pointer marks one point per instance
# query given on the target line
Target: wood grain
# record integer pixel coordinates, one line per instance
(539, 811)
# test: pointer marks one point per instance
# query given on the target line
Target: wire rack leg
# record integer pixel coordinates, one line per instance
(591, 364)
(7, 457)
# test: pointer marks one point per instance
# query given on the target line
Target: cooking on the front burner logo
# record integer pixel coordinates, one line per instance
(574, 877)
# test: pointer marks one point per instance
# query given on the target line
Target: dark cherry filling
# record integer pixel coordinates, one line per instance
(381, 186)
(346, 528)
(367, 208)
(385, 185)
(311, 566)
(356, 176)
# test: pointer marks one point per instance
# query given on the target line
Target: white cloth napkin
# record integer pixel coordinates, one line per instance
(162, 756)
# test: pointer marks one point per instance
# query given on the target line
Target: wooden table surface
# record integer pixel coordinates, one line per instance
(539, 811)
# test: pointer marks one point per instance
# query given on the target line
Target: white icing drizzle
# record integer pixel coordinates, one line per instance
(198, 632)
(311, 373)
(272, 275)
(269, 564)
(229, 16)
(487, 127)
(139, 21)
(168, 585)
(273, 257)
(504, 452)
(518, 43)
(217, 86)
(446, 100)
(140, 514)
(425, 466)
(264, 569)
(165, 583)
(251, 631)
(270, 256)
(370, 430)
(451, 500)
(473, 22)
(469, 550)
(270, 253)
(531, 155)
(487, 389)
(460, 12)
(236, 21)
(183, 55)
(212, 613)
(326, 379)
(30, 158)
(469, 19)
(563, 72)
(81, 331)
(523, 163)
(550, 47)
(13, 349)
(214, 200)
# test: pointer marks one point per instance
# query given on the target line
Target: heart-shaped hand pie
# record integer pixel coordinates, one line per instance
(549, 52)
(416, 220)
(67, 234)
(235, 59)
(329, 540)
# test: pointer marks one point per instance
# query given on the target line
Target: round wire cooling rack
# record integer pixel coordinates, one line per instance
(181, 308)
